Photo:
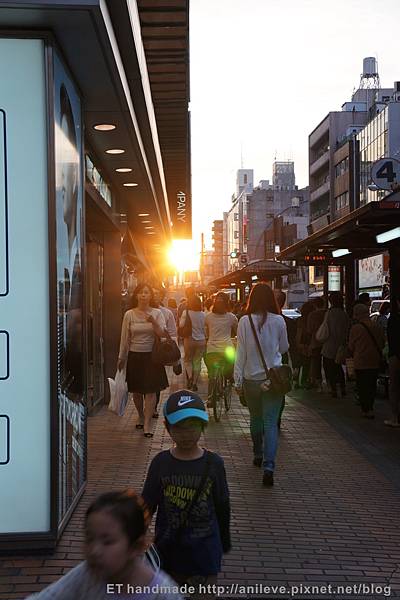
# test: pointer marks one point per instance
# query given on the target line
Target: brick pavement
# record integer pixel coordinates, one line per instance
(331, 518)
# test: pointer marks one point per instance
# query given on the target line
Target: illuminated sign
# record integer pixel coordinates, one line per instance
(182, 215)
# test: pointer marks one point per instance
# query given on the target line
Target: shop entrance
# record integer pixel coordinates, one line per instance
(95, 286)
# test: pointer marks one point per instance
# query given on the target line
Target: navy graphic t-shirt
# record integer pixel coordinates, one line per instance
(170, 485)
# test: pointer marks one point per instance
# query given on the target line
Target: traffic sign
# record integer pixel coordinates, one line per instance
(385, 173)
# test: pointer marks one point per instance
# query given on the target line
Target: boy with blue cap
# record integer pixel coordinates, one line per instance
(187, 487)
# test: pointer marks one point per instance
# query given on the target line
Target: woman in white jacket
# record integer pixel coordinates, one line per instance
(249, 373)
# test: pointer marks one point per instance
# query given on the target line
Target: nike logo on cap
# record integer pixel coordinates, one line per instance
(185, 400)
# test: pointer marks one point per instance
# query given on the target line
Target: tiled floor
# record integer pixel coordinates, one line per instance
(331, 518)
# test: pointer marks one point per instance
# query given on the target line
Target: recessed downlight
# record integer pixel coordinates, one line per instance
(104, 127)
(146, 221)
(150, 232)
(149, 227)
(130, 184)
(124, 170)
(143, 214)
(115, 151)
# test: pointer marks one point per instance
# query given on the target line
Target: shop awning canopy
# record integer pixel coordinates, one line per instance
(355, 232)
(259, 270)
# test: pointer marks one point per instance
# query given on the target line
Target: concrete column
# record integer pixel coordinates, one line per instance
(350, 284)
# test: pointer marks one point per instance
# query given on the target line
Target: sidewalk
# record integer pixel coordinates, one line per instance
(331, 518)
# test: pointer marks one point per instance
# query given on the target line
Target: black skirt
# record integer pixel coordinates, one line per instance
(143, 376)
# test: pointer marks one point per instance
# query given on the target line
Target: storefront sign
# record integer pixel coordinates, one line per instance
(69, 211)
(24, 291)
(4, 253)
(371, 273)
(334, 279)
(182, 216)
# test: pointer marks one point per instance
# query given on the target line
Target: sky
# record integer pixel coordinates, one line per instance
(264, 73)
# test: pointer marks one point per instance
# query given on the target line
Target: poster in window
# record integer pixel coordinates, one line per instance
(69, 209)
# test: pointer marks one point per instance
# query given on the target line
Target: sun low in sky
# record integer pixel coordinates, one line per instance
(184, 255)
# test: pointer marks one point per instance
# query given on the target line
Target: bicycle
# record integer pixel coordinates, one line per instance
(221, 395)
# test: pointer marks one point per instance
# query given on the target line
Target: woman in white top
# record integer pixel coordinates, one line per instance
(144, 378)
(195, 343)
(221, 326)
(249, 373)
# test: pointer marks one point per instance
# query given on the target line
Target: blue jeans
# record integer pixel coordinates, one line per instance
(264, 410)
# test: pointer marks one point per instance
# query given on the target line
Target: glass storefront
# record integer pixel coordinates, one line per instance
(373, 141)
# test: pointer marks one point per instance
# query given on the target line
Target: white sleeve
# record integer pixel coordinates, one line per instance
(240, 352)
(182, 320)
(124, 343)
(160, 319)
(283, 338)
(171, 325)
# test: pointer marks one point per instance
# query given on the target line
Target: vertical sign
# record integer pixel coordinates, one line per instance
(334, 281)
(69, 240)
(182, 215)
(24, 291)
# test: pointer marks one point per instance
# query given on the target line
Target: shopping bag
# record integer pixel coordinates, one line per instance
(118, 393)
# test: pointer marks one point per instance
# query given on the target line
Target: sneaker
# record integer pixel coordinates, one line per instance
(391, 423)
(257, 461)
(268, 479)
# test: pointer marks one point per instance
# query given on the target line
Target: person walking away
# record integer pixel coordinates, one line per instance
(303, 342)
(338, 326)
(115, 525)
(393, 336)
(173, 307)
(382, 318)
(208, 305)
(366, 341)
(314, 321)
(159, 295)
(221, 326)
(194, 344)
(264, 406)
(140, 326)
(187, 487)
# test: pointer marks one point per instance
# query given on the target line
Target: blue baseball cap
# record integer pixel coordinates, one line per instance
(184, 404)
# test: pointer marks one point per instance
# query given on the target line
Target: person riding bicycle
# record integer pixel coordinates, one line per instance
(221, 326)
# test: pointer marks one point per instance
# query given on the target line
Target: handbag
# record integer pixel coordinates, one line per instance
(279, 379)
(186, 330)
(165, 351)
(163, 545)
(322, 332)
(342, 353)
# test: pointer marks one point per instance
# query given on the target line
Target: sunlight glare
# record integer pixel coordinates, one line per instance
(184, 256)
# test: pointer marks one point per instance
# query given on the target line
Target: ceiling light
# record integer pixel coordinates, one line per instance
(242, 282)
(143, 215)
(115, 151)
(104, 127)
(146, 221)
(149, 227)
(254, 277)
(124, 170)
(392, 234)
(130, 184)
(340, 252)
(232, 284)
(150, 232)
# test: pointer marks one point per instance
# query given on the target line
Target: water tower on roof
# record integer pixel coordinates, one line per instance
(369, 79)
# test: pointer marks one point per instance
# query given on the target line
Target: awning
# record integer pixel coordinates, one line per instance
(264, 270)
(356, 232)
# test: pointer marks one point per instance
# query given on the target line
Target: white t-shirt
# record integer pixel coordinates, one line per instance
(80, 584)
(198, 324)
(169, 321)
(137, 334)
(274, 343)
(219, 328)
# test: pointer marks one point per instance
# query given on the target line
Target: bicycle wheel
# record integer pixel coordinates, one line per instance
(227, 394)
(218, 397)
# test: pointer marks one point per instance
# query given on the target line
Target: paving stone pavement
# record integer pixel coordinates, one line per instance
(332, 517)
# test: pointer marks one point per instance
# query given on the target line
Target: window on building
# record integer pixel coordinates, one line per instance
(342, 167)
(342, 201)
(236, 216)
(245, 178)
(235, 235)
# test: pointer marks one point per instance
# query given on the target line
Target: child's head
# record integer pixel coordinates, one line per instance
(185, 418)
(115, 525)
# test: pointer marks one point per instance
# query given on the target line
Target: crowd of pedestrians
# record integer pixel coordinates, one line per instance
(186, 486)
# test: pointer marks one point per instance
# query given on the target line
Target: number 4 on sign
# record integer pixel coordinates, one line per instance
(387, 172)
